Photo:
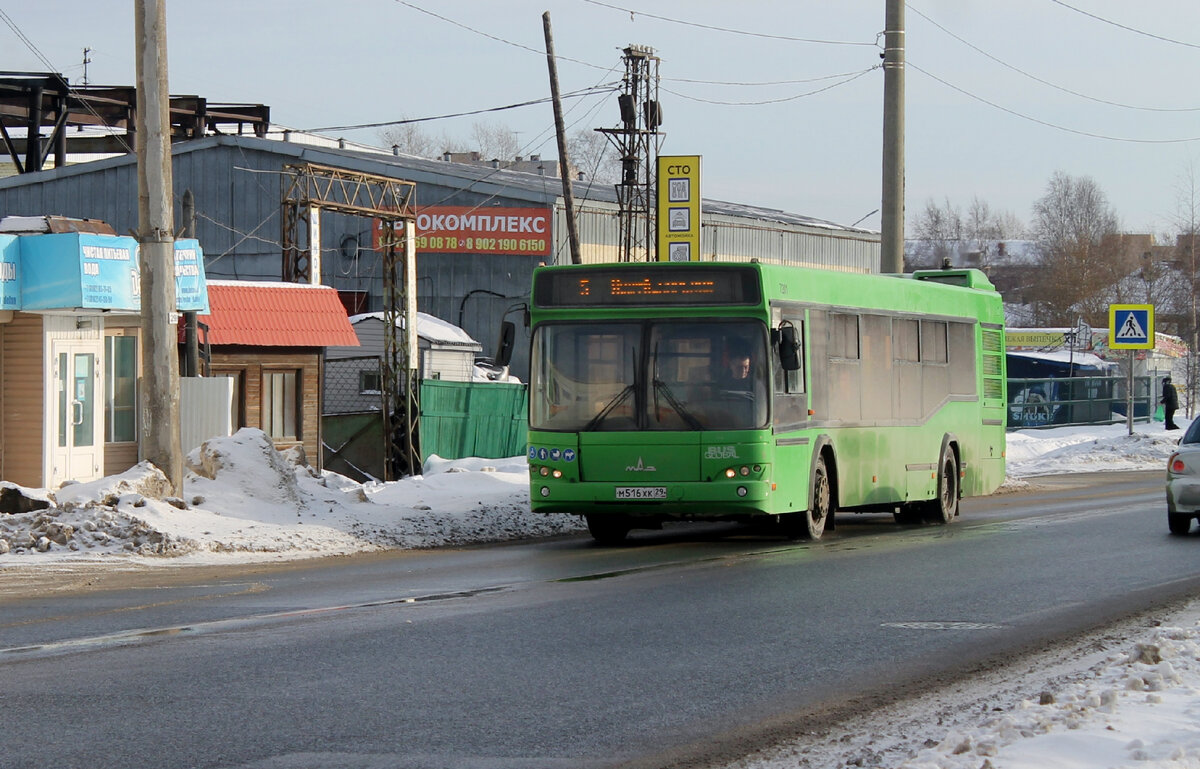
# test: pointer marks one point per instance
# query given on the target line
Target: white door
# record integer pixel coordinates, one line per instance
(76, 437)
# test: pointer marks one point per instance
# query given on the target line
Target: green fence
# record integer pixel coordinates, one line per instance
(473, 419)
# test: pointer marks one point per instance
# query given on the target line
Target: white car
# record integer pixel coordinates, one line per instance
(1183, 482)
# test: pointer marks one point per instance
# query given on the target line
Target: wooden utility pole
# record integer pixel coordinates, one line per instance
(160, 442)
(891, 236)
(563, 164)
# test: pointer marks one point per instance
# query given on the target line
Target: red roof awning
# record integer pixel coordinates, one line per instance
(276, 315)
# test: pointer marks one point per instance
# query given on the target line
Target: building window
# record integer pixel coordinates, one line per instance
(370, 382)
(280, 399)
(120, 389)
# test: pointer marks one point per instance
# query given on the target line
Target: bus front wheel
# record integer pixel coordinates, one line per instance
(608, 529)
(944, 507)
(810, 524)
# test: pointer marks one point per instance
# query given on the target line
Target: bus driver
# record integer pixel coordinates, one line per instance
(737, 363)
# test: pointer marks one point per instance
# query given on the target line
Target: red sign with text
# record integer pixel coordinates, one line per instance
(483, 230)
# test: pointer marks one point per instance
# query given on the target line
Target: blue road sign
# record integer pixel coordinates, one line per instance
(1131, 326)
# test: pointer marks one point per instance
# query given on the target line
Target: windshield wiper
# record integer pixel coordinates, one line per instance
(680, 409)
(617, 400)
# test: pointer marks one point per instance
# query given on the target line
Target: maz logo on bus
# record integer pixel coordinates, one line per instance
(641, 468)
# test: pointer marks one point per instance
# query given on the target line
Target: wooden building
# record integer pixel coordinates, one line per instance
(269, 338)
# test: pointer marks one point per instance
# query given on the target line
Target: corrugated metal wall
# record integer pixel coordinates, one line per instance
(728, 238)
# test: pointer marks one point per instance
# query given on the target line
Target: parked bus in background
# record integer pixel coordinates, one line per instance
(719, 391)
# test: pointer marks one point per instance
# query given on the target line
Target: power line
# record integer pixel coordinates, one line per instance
(572, 95)
(1125, 27)
(1035, 78)
(1048, 124)
(633, 12)
(490, 36)
(851, 78)
(51, 68)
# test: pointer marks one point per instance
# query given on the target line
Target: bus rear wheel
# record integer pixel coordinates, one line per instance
(944, 507)
(608, 529)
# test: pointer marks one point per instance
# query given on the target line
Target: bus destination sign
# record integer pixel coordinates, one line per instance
(607, 287)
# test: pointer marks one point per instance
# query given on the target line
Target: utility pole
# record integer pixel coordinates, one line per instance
(891, 236)
(637, 142)
(564, 165)
(160, 442)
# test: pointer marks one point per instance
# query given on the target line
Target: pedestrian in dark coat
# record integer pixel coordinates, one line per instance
(1170, 402)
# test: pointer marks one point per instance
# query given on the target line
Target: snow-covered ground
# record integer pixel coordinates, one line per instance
(1135, 704)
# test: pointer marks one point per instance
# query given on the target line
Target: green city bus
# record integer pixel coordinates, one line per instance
(722, 391)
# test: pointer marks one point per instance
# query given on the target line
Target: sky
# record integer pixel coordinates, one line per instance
(1109, 705)
(999, 96)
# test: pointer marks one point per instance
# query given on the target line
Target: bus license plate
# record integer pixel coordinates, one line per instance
(641, 492)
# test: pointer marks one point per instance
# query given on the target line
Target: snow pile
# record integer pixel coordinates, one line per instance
(1134, 703)
(1138, 707)
(1089, 448)
(244, 500)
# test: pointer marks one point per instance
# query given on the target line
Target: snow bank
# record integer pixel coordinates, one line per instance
(244, 500)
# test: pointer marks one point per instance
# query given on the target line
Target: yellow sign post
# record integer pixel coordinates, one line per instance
(678, 208)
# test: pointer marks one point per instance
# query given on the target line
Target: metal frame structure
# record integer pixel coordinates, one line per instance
(307, 189)
(637, 142)
(32, 101)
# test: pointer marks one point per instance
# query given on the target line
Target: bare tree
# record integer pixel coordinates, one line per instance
(412, 139)
(1187, 222)
(593, 156)
(1083, 259)
(938, 230)
(495, 141)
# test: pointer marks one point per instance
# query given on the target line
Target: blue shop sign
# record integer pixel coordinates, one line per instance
(77, 270)
(191, 287)
(10, 273)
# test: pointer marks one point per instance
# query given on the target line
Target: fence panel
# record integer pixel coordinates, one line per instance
(1061, 401)
(352, 418)
(472, 419)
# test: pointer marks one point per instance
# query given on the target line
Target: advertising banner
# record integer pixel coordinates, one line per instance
(191, 288)
(10, 273)
(76, 270)
(481, 230)
(79, 270)
(678, 222)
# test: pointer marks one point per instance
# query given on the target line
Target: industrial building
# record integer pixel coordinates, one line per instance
(481, 229)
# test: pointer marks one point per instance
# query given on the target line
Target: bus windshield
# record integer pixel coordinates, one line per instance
(680, 374)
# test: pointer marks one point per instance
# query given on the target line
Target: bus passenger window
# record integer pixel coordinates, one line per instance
(933, 341)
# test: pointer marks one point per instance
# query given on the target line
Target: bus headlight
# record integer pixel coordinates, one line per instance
(557, 473)
(545, 491)
(544, 471)
(741, 491)
(730, 473)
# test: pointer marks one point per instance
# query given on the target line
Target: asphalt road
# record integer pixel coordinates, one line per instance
(694, 642)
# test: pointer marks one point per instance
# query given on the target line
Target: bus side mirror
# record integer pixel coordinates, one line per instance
(504, 350)
(789, 349)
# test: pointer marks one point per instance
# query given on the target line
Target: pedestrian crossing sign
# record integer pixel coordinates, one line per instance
(1131, 326)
